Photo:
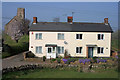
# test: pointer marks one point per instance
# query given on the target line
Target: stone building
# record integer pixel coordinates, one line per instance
(15, 27)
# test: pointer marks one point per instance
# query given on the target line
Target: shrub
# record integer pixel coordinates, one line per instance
(10, 46)
(95, 59)
(58, 60)
(65, 54)
(52, 60)
(73, 59)
(30, 55)
(44, 58)
(5, 54)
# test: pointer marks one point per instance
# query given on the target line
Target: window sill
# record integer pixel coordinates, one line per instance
(78, 53)
(100, 53)
(39, 53)
(79, 39)
(61, 39)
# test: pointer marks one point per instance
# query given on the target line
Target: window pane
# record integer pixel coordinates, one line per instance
(59, 36)
(36, 36)
(40, 49)
(62, 36)
(77, 36)
(102, 36)
(49, 50)
(80, 49)
(80, 36)
(98, 36)
(98, 50)
(62, 49)
(40, 35)
(102, 50)
(76, 49)
(58, 50)
(37, 50)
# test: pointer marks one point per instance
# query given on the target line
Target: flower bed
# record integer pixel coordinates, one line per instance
(101, 60)
(84, 61)
(67, 61)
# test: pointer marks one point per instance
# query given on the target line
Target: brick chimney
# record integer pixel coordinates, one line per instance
(106, 21)
(34, 20)
(70, 19)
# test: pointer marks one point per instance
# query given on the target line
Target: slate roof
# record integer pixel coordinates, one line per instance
(66, 27)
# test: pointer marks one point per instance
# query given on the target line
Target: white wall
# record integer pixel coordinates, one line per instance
(70, 38)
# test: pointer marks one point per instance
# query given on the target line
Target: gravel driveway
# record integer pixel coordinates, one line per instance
(17, 60)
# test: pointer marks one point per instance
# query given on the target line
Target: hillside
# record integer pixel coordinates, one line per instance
(115, 41)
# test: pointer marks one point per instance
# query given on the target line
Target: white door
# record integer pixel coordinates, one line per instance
(51, 52)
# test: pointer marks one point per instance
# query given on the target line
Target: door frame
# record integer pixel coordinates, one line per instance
(90, 51)
(52, 54)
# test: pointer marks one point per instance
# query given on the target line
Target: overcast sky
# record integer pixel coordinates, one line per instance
(47, 11)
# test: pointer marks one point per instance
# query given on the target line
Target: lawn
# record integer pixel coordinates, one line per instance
(57, 73)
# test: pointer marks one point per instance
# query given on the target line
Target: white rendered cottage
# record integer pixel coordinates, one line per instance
(52, 39)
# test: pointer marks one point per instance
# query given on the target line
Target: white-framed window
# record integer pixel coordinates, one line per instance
(79, 50)
(38, 36)
(79, 36)
(100, 36)
(100, 50)
(60, 49)
(39, 49)
(60, 36)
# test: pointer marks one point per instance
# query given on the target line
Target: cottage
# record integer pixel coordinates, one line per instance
(52, 39)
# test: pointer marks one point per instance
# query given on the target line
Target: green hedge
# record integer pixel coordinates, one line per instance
(12, 47)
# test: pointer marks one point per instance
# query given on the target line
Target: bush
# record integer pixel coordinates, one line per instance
(5, 54)
(10, 46)
(44, 58)
(6, 48)
(52, 60)
(30, 55)
(95, 59)
(58, 60)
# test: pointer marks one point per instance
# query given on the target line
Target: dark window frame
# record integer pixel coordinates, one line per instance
(79, 36)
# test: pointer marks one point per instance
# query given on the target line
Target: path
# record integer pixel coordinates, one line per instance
(17, 60)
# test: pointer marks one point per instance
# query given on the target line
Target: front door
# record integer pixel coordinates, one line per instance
(90, 52)
(51, 52)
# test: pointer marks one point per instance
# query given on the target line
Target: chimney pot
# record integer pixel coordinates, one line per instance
(106, 21)
(70, 19)
(34, 20)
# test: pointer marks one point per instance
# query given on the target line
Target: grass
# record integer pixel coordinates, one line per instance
(57, 73)
(12, 47)
(115, 45)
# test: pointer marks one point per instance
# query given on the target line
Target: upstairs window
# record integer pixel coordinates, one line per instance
(60, 36)
(38, 36)
(38, 49)
(79, 50)
(60, 49)
(100, 36)
(78, 36)
(100, 50)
